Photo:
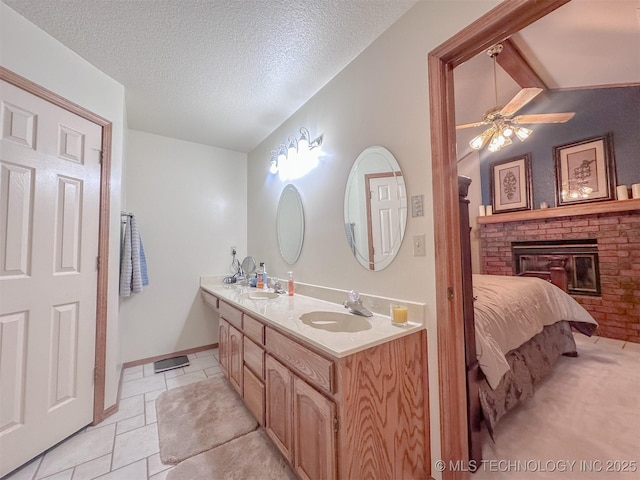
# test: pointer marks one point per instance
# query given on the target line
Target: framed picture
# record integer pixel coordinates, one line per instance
(585, 171)
(510, 182)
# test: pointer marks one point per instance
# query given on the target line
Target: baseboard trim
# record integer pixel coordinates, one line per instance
(143, 361)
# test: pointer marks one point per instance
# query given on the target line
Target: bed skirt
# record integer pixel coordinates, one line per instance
(529, 364)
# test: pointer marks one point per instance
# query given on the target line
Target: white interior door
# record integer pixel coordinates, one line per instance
(388, 217)
(49, 212)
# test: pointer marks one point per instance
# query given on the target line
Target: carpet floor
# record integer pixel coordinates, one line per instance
(198, 417)
(582, 424)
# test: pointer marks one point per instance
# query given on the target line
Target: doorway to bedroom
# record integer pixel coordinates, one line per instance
(501, 22)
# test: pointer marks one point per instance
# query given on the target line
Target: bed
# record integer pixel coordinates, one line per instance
(516, 328)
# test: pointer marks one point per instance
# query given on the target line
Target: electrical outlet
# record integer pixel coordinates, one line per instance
(234, 251)
(418, 245)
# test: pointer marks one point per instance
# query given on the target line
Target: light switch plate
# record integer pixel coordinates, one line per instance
(418, 245)
(417, 206)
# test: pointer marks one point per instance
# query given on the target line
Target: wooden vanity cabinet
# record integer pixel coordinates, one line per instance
(362, 416)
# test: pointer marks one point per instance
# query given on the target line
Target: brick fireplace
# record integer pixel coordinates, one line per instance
(615, 226)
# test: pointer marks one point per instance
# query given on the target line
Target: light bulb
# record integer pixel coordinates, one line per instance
(507, 131)
(274, 167)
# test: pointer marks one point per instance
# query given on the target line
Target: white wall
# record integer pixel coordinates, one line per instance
(30, 52)
(190, 201)
(381, 98)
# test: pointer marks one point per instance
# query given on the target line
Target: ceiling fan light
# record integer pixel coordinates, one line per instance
(479, 141)
(507, 131)
(522, 133)
(494, 144)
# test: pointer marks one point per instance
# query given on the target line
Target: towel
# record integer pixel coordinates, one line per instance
(133, 262)
(349, 229)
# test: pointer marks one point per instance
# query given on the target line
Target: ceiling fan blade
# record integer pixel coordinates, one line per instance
(523, 97)
(469, 125)
(544, 118)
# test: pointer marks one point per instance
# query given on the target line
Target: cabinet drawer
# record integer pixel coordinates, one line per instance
(231, 314)
(254, 357)
(210, 300)
(254, 329)
(314, 368)
(254, 395)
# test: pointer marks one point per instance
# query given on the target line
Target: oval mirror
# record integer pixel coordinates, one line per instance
(290, 224)
(375, 208)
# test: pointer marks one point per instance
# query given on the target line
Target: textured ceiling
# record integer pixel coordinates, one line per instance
(217, 72)
(228, 72)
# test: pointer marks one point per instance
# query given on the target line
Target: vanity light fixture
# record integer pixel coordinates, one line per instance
(274, 162)
(294, 160)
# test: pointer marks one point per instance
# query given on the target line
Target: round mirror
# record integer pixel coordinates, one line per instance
(375, 208)
(290, 224)
(249, 265)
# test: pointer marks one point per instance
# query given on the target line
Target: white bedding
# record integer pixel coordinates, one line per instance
(510, 311)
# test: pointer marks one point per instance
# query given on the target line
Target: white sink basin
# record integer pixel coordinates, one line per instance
(335, 321)
(260, 295)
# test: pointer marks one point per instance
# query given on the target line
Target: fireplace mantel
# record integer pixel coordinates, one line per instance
(565, 211)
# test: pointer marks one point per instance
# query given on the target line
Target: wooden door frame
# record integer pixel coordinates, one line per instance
(498, 24)
(103, 226)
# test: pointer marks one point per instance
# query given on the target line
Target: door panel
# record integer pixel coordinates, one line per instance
(49, 214)
(387, 197)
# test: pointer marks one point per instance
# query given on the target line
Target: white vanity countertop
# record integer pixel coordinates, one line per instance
(285, 312)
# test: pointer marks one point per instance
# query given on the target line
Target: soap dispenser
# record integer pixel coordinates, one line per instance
(264, 276)
(290, 289)
(261, 275)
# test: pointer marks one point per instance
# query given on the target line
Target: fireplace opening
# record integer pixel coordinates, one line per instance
(580, 258)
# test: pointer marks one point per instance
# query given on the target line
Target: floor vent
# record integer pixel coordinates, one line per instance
(170, 363)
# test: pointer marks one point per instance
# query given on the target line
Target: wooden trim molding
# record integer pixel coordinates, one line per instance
(103, 234)
(500, 23)
(563, 212)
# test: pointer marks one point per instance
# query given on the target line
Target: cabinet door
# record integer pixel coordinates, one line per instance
(223, 347)
(254, 395)
(313, 433)
(279, 383)
(235, 359)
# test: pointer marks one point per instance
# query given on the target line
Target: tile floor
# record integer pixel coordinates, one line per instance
(125, 445)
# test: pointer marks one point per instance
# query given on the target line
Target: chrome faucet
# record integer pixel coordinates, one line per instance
(355, 306)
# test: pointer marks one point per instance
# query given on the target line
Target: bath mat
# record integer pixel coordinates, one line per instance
(198, 417)
(249, 457)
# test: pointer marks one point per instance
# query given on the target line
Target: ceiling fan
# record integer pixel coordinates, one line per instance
(501, 120)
